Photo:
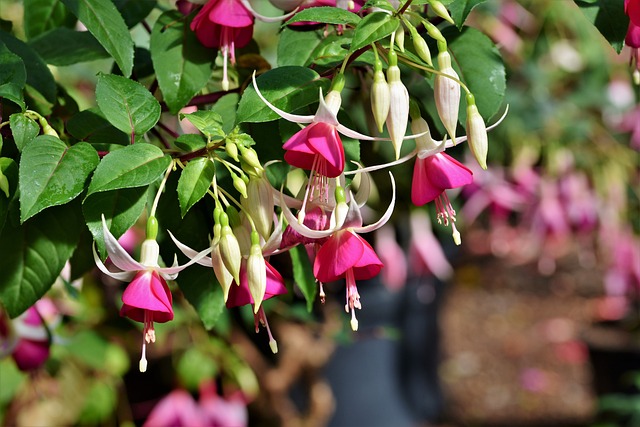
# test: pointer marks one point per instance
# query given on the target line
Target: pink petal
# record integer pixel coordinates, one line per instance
(147, 292)
(632, 8)
(369, 265)
(30, 355)
(422, 189)
(633, 36)
(177, 408)
(230, 13)
(341, 252)
(325, 141)
(240, 295)
(434, 174)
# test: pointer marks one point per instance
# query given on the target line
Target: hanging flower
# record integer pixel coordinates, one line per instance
(147, 298)
(227, 25)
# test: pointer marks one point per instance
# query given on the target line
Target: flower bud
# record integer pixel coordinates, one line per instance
(380, 97)
(222, 274)
(239, 185)
(340, 212)
(256, 272)
(477, 132)
(447, 94)
(229, 248)
(421, 48)
(250, 156)
(441, 10)
(399, 38)
(398, 106)
(232, 150)
(259, 204)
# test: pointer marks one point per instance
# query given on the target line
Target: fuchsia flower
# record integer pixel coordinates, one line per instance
(147, 298)
(227, 25)
(632, 39)
(344, 254)
(632, 9)
(28, 338)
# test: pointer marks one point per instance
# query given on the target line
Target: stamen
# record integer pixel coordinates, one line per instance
(322, 294)
(143, 360)
(354, 321)
(273, 344)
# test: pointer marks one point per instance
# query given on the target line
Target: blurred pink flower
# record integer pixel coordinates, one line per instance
(177, 408)
(394, 275)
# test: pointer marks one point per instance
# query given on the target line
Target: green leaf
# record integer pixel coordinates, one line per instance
(134, 11)
(207, 122)
(190, 142)
(43, 15)
(12, 380)
(39, 76)
(303, 275)
(53, 174)
(480, 67)
(100, 402)
(38, 251)
(91, 126)
(103, 20)
(121, 209)
(373, 27)
(9, 174)
(331, 51)
(23, 128)
(127, 105)
(132, 166)
(325, 15)
(295, 47)
(13, 76)
(64, 46)
(194, 182)
(183, 65)
(609, 18)
(199, 286)
(226, 107)
(460, 9)
(288, 88)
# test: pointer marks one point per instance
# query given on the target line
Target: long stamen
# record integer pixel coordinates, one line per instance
(263, 320)
(353, 299)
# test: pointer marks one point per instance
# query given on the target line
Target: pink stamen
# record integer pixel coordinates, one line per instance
(261, 318)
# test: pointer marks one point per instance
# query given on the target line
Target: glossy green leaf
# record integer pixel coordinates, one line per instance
(194, 365)
(132, 166)
(207, 122)
(43, 15)
(23, 129)
(182, 64)
(480, 67)
(226, 107)
(608, 17)
(121, 209)
(190, 142)
(104, 21)
(64, 46)
(99, 404)
(303, 275)
(134, 11)
(91, 126)
(460, 9)
(325, 15)
(194, 182)
(13, 76)
(39, 76)
(331, 51)
(199, 286)
(295, 47)
(288, 88)
(373, 27)
(9, 174)
(38, 251)
(52, 174)
(127, 105)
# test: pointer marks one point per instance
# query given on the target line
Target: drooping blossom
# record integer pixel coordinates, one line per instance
(227, 25)
(425, 252)
(177, 408)
(27, 338)
(632, 39)
(344, 254)
(394, 275)
(147, 298)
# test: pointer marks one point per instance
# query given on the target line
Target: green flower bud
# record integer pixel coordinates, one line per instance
(441, 11)
(380, 97)
(477, 133)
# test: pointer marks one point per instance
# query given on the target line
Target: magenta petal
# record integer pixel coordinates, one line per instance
(633, 36)
(147, 292)
(240, 295)
(632, 8)
(341, 252)
(324, 140)
(422, 190)
(176, 409)
(229, 13)
(446, 172)
(369, 265)
(30, 354)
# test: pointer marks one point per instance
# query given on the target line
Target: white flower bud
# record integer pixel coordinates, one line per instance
(259, 204)
(398, 108)
(477, 133)
(447, 94)
(256, 274)
(380, 98)
(441, 11)
(230, 249)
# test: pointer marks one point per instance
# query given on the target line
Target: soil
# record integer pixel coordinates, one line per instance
(513, 348)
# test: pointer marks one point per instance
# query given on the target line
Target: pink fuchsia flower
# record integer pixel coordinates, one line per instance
(222, 411)
(425, 252)
(394, 275)
(28, 337)
(147, 298)
(631, 123)
(345, 254)
(632, 9)
(177, 408)
(632, 39)
(226, 25)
